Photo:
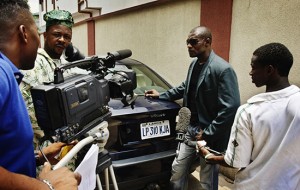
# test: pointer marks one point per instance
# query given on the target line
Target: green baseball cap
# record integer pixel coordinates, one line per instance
(56, 17)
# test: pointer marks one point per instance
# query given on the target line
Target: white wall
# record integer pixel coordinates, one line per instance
(258, 22)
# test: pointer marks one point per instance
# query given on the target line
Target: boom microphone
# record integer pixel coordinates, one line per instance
(184, 116)
(114, 56)
(72, 53)
(121, 54)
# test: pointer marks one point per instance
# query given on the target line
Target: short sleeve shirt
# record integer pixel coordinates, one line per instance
(16, 152)
(264, 141)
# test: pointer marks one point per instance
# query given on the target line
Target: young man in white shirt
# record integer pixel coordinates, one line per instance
(264, 141)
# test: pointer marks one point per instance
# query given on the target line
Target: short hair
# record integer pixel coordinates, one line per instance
(202, 32)
(11, 4)
(277, 55)
(13, 14)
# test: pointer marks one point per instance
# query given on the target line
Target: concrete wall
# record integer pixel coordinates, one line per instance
(258, 22)
(80, 38)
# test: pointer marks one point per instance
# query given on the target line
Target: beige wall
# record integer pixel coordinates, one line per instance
(257, 22)
(156, 36)
(80, 38)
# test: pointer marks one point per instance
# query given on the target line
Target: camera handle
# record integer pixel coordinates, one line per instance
(100, 135)
(58, 71)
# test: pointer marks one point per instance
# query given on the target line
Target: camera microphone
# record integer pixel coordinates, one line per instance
(184, 116)
(121, 54)
(114, 56)
(72, 53)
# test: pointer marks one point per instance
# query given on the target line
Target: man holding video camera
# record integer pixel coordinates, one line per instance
(18, 50)
(57, 37)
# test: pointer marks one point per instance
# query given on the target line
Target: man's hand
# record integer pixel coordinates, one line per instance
(52, 151)
(61, 179)
(199, 135)
(201, 148)
(209, 157)
(152, 93)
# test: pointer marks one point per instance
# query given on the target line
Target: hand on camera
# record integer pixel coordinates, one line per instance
(53, 150)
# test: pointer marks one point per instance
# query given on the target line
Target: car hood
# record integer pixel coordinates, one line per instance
(142, 104)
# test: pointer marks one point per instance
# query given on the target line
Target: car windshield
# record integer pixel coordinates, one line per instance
(146, 79)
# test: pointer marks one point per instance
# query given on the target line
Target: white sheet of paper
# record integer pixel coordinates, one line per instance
(87, 169)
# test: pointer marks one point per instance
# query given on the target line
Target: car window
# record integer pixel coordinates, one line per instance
(146, 79)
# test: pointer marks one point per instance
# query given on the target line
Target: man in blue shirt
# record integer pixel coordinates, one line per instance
(13, 123)
(18, 50)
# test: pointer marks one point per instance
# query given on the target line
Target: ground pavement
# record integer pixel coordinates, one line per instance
(225, 179)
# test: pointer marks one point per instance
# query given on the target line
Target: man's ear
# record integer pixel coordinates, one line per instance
(23, 33)
(45, 35)
(271, 69)
(208, 40)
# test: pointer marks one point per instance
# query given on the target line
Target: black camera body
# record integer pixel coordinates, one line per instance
(68, 108)
(63, 109)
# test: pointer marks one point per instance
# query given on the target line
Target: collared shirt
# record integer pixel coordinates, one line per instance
(16, 152)
(264, 141)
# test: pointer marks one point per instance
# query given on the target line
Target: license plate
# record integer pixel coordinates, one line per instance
(155, 129)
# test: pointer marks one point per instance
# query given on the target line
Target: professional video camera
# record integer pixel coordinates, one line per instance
(67, 108)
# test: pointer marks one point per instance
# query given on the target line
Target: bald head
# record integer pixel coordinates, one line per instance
(199, 43)
(202, 32)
